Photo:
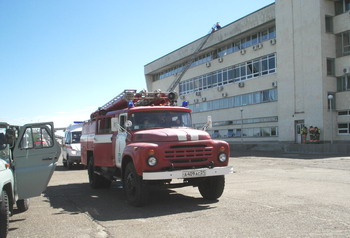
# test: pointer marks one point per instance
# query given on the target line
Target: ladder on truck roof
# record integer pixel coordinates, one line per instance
(189, 63)
(127, 93)
(131, 98)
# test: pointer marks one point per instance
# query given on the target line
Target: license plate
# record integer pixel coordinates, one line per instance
(193, 173)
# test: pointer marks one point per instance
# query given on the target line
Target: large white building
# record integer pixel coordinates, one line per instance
(266, 75)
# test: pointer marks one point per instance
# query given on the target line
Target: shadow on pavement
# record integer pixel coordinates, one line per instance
(110, 204)
(285, 155)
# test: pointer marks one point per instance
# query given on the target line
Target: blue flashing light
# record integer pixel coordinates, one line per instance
(185, 103)
(130, 104)
(78, 122)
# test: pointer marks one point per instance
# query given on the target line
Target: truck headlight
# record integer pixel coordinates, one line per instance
(152, 161)
(222, 157)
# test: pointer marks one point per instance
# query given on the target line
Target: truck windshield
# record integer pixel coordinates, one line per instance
(160, 119)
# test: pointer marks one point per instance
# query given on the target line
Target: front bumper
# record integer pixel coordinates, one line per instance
(188, 173)
(74, 159)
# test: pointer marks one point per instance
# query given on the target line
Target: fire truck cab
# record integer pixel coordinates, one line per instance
(144, 139)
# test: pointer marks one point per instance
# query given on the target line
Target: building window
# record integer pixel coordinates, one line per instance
(330, 67)
(344, 128)
(342, 6)
(346, 43)
(344, 113)
(329, 24)
(343, 44)
(343, 83)
(216, 134)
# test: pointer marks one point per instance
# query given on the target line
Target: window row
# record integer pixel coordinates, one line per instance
(343, 83)
(344, 113)
(344, 128)
(236, 101)
(246, 132)
(267, 34)
(247, 70)
(239, 122)
(248, 41)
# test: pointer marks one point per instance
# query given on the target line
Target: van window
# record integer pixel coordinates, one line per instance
(76, 137)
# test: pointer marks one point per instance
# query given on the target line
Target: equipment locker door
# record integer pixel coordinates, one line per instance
(103, 154)
(35, 156)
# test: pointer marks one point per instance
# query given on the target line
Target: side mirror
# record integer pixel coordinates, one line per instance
(209, 123)
(128, 124)
(10, 137)
(2, 140)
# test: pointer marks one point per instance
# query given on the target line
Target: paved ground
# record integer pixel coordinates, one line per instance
(268, 196)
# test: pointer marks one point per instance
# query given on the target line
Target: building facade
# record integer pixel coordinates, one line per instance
(264, 77)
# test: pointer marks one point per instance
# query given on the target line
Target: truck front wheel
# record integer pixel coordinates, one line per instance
(136, 190)
(211, 188)
(4, 214)
(23, 205)
(96, 180)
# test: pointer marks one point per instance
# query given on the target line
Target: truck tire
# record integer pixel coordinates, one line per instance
(96, 180)
(69, 164)
(136, 190)
(211, 188)
(22, 205)
(4, 214)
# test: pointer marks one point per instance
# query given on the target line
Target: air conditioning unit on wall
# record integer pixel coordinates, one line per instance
(220, 59)
(274, 84)
(242, 51)
(346, 70)
(273, 41)
(220, 88)
(208, 64)
(241, 84)
(198, 93)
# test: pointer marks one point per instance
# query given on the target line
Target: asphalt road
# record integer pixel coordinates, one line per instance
(265, 197)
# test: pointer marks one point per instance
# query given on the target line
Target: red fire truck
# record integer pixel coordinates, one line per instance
(145, 140)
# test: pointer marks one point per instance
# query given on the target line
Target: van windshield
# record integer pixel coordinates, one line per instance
(160, 119)
(76, 137)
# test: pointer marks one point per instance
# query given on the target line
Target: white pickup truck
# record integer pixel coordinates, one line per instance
(28, 157)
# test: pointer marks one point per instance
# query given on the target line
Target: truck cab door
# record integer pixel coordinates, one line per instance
(35, 156)
(120, 140)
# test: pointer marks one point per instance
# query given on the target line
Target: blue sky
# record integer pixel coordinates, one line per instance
(62, 59)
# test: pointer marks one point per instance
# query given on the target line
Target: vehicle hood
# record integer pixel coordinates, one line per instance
(170, 134)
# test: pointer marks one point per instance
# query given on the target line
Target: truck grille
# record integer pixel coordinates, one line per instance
(189, 154)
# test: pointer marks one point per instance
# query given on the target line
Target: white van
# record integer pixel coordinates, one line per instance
(71, 145)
